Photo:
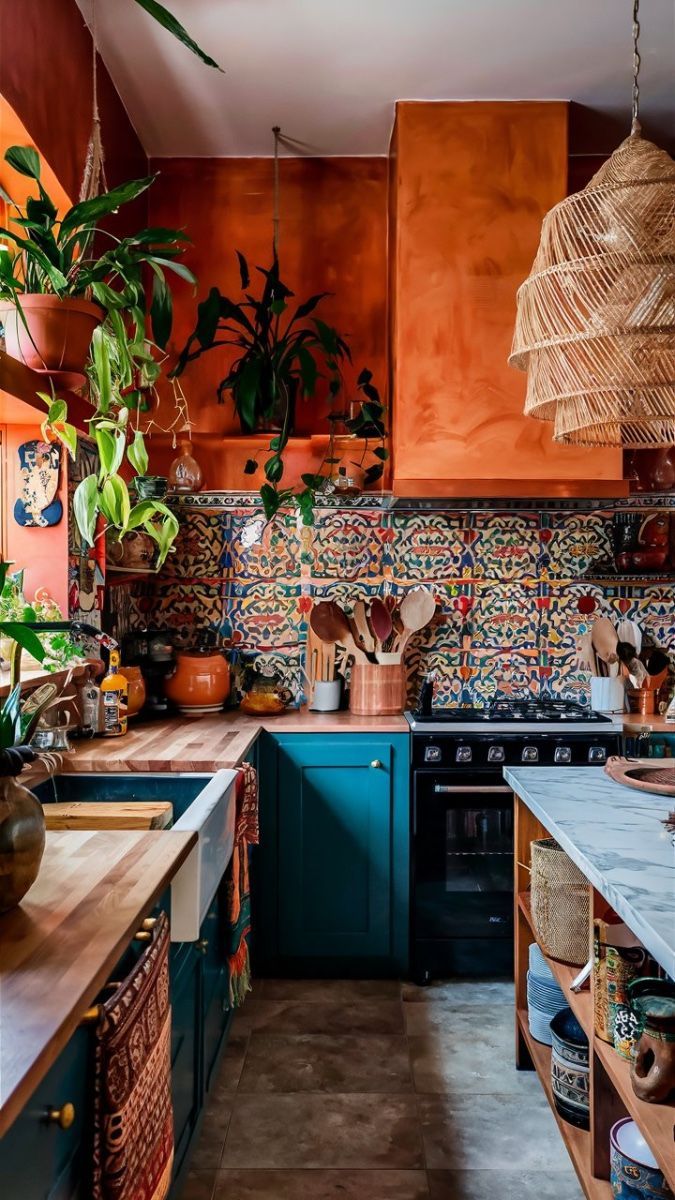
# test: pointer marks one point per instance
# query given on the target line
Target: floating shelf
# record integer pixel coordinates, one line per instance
(19, 382)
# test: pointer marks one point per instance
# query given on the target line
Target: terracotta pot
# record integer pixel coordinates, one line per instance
(136, 693)
(22, 841)
(55, 337)
(135, 550)
(200, 681)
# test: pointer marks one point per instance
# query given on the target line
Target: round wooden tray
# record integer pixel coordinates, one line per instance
(644, 774)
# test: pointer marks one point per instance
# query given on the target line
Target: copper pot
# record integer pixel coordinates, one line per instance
(136, 692)
(200, 681)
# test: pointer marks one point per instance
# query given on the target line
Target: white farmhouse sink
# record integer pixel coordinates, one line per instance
(202, 803)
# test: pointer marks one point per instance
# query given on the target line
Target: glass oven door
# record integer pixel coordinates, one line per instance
(463, 855)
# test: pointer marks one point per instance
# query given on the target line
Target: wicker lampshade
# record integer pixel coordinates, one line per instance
(595, 328)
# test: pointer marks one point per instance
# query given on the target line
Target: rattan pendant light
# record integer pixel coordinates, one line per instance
(595, 327)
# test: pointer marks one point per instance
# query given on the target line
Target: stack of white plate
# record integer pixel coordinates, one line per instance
(544, 997)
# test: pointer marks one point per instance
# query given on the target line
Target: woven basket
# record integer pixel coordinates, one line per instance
(560, 902)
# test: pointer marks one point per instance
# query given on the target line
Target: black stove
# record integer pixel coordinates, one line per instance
(462, 819)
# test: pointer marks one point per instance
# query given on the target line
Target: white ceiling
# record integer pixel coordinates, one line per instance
(329, 71)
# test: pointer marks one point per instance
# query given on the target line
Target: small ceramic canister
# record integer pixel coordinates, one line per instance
(634, 1170)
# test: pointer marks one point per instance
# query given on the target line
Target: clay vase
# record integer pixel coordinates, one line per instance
(185, 473)
(200, 682)
(136, 692)
(653, 1066)
(55, 337)
(22, 841)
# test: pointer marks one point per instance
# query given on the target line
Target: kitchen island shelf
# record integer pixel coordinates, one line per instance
(612, 1095)
(577, 1141)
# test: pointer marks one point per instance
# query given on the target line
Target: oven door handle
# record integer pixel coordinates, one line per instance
(473, 788)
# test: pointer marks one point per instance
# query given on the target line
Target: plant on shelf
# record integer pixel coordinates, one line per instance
(278, 357)
(61, 277)
(59, 648)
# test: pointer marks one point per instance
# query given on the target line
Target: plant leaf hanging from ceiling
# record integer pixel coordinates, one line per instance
(174, 27)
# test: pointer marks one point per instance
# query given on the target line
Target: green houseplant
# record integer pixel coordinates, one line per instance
(60, 277)
(279, 356)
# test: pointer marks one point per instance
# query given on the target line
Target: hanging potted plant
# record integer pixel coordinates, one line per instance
(56, 288)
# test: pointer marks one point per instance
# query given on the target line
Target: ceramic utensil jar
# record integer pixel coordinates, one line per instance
(377, 690)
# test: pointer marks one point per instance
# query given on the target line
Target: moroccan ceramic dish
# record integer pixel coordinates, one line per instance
(569, 1069)
(634, 1170)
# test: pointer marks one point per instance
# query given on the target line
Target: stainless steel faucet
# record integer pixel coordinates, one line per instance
(77, 628)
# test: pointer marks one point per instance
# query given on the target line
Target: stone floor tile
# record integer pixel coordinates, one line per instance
(332, 990)
(469, 1049)
(487, 1132)
(232, 1063)
(461, 992)
(512, 1185)
(327, 1063)
(301, 1130)
(209, 1148)
(370, 1015)
(198, 1185)
(321, 1185)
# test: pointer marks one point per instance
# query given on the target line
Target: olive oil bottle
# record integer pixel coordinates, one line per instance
(114, 693)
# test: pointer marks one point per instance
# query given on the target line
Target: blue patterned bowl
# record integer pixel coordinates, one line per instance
(635, 1174)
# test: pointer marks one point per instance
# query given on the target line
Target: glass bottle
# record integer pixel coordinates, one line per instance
(185, 473)
(114, 692)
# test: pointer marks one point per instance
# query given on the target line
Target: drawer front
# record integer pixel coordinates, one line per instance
(38, 1159)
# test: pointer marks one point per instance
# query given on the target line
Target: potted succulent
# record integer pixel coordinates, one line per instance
(60, 277)
(278, 357)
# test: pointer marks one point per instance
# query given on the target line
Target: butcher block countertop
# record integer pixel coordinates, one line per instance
(210, 742)
(58, 948)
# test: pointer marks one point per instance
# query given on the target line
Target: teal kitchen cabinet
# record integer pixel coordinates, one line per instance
(332, 870)
(185, 976)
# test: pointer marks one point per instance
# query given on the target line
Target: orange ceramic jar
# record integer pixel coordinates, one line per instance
(200, 681)
(136, 693)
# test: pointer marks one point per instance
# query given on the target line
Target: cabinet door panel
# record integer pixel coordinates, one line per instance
(335, 831)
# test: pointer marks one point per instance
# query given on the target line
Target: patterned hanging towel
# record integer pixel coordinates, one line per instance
(133, 1113)
(246, 834)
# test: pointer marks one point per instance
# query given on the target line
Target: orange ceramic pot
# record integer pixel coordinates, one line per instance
(200, 681)
(55, 337)
(136, 693)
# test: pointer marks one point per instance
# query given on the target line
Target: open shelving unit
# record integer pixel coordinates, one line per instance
(612, 1095)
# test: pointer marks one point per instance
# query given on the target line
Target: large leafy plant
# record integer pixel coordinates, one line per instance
(11, 727)
(279, 355)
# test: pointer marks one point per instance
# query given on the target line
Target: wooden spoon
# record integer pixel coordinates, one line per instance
(366, 639)
(380, 621)
(605, 640)
(417, 609)
(330, 623)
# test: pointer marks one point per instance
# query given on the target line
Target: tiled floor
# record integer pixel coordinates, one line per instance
(343, 1090)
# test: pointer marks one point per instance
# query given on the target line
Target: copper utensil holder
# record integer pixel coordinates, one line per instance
(642, 701)
(377, 689)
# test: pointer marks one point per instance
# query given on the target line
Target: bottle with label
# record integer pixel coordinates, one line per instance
(89, 706)
(114, 691)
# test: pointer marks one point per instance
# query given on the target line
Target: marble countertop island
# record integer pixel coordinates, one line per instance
(615, 836)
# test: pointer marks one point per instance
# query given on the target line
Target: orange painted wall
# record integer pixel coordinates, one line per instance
(333, 238)
(473, 181)
(45, 76)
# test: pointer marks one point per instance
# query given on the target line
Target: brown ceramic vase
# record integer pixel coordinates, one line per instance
(22, 841)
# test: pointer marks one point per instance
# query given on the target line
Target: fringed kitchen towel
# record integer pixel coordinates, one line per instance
(133, 1114)
(246, 834)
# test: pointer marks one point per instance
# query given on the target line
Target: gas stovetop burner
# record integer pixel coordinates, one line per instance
(505, 711)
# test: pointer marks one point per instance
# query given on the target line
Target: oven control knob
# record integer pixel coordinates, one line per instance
(530, 754)
(563, 754)
(597, 754)
(432, 754)
(496, 754)
(464, 754)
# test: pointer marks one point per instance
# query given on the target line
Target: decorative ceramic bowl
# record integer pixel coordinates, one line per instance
(634, 1170)
(569, 1069)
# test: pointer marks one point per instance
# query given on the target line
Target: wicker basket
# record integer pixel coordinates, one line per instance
(560, 904)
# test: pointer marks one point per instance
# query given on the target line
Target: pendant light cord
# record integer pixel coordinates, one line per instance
(276, 130)
(635, 127)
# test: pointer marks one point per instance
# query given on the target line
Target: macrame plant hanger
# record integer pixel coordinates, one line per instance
(93, 177)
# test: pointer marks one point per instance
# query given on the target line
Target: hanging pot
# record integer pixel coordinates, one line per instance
(54, 335)
(22, 835)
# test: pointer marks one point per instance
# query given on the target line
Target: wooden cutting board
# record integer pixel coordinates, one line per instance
(113, 814)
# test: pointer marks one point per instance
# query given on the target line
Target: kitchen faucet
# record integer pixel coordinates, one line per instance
(77, 628)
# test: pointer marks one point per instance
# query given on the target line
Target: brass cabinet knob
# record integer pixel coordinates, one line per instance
(203, 945)
(376, 764)
(63, 1116)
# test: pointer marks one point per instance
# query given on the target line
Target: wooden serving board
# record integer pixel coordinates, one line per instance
(643, 774)
(109, 814)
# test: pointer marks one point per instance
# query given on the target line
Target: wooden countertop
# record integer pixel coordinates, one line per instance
(210, 742)
(58, 947)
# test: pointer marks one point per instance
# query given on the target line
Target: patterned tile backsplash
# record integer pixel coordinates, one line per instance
(507, 584)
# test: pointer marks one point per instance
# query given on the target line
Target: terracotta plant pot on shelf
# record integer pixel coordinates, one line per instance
(55, 337)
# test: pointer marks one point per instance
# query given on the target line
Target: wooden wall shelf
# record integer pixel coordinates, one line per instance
(19, 382)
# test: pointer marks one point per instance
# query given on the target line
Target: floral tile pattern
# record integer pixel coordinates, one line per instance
(508, 584)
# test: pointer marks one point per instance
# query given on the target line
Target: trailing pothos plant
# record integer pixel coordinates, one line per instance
(280, 355)
(118, 383)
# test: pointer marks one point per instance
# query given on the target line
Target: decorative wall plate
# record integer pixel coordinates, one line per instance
(39, 505)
